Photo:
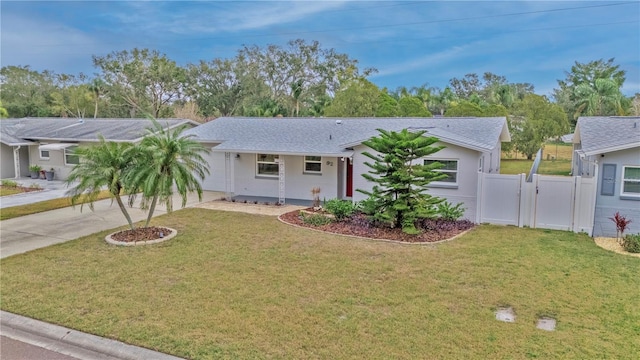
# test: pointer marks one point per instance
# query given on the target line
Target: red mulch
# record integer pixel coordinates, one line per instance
(359, 225)
(141, 234)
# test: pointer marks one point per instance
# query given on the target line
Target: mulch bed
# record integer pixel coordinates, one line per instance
(359, 225)
(141, 234)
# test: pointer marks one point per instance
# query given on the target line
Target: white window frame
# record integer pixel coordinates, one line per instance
(623, 180)
(68, 151)
(264, 162)
(446, 171)
(44, 157)
(310, 161)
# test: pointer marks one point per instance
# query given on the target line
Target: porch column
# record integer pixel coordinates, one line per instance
(281, 172)
(16, 161)
(228, 176)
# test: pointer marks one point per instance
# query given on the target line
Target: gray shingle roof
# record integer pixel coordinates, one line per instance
(600, 134)
(68, 129)
(332, 136)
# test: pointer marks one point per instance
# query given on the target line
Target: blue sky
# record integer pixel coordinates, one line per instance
(410, 43)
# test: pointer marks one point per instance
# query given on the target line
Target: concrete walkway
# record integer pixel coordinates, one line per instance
(54, 189)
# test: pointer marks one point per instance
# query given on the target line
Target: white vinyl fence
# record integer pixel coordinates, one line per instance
(548, 202)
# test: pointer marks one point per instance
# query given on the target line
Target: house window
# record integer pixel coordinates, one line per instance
(631, 180)
(44, 154)
(450, 167)
(313, 164)
(70, 158)
(266, 165)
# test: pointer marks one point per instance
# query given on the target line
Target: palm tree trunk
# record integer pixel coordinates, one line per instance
(124, 211)
(151, 210)
(95, 110)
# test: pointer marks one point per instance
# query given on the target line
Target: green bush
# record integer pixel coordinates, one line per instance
(315, 219)
(35, 168)
(631, 243)
(447, 211)
(341, 209)
(9, 183)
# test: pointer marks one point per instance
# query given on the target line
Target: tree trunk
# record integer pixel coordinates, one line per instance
(151, 210)
(124, 211)
(95, 110)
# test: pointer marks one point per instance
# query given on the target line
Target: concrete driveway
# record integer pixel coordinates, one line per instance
(50, 190)
(34, 231)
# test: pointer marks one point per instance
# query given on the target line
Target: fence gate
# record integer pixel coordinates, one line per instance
(500, 199)
(554, 202)
(548, 202)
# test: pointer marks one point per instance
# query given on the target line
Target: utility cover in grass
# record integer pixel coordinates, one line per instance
(506, 314)
(546, 323)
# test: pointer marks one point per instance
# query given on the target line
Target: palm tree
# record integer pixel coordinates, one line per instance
(604, 98)
(167, 159)
(100, 166)
(98, 88)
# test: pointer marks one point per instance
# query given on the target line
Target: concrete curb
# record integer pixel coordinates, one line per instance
(72, 342)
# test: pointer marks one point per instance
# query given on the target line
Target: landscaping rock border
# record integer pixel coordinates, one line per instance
(110, 240)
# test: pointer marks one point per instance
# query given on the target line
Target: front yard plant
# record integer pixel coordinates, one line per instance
(399, 196)
(631, 243)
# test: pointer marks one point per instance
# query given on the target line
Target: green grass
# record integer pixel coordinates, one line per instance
(235, 285)
(22, 210)
(9, 190)
(556, 161)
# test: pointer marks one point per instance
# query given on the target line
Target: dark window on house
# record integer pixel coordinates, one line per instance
(450, 168)
(266, 165)
(313, 164)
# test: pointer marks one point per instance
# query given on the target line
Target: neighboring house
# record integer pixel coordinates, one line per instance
(608, 148)
(285, 158)
(49, 142)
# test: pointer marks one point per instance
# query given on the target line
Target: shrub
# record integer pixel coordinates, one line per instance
(447, 211)
(315, 219)
(9, 183)
(341, 209)
(621, 223)
(631, 243)
(35, 168)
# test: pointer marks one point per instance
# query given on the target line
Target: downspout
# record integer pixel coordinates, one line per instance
(16, 161)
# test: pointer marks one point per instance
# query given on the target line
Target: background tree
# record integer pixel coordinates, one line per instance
(25, 92)
(535, 120)
(592, 88)
(399, 195)
(301, 71)
(411, 106)
(146, 80)
(168, 159)
(102, 166)
(72, 96)
(440, 100)
(359, 98)
(3, 112)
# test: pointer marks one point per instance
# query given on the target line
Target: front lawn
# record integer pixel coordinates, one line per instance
(234, 285)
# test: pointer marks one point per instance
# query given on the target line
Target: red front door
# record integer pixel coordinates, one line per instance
(349, 178)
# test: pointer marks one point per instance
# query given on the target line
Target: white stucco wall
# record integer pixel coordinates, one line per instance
(298, 184)
(466, 191)
(55, 161)
(606, 206)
